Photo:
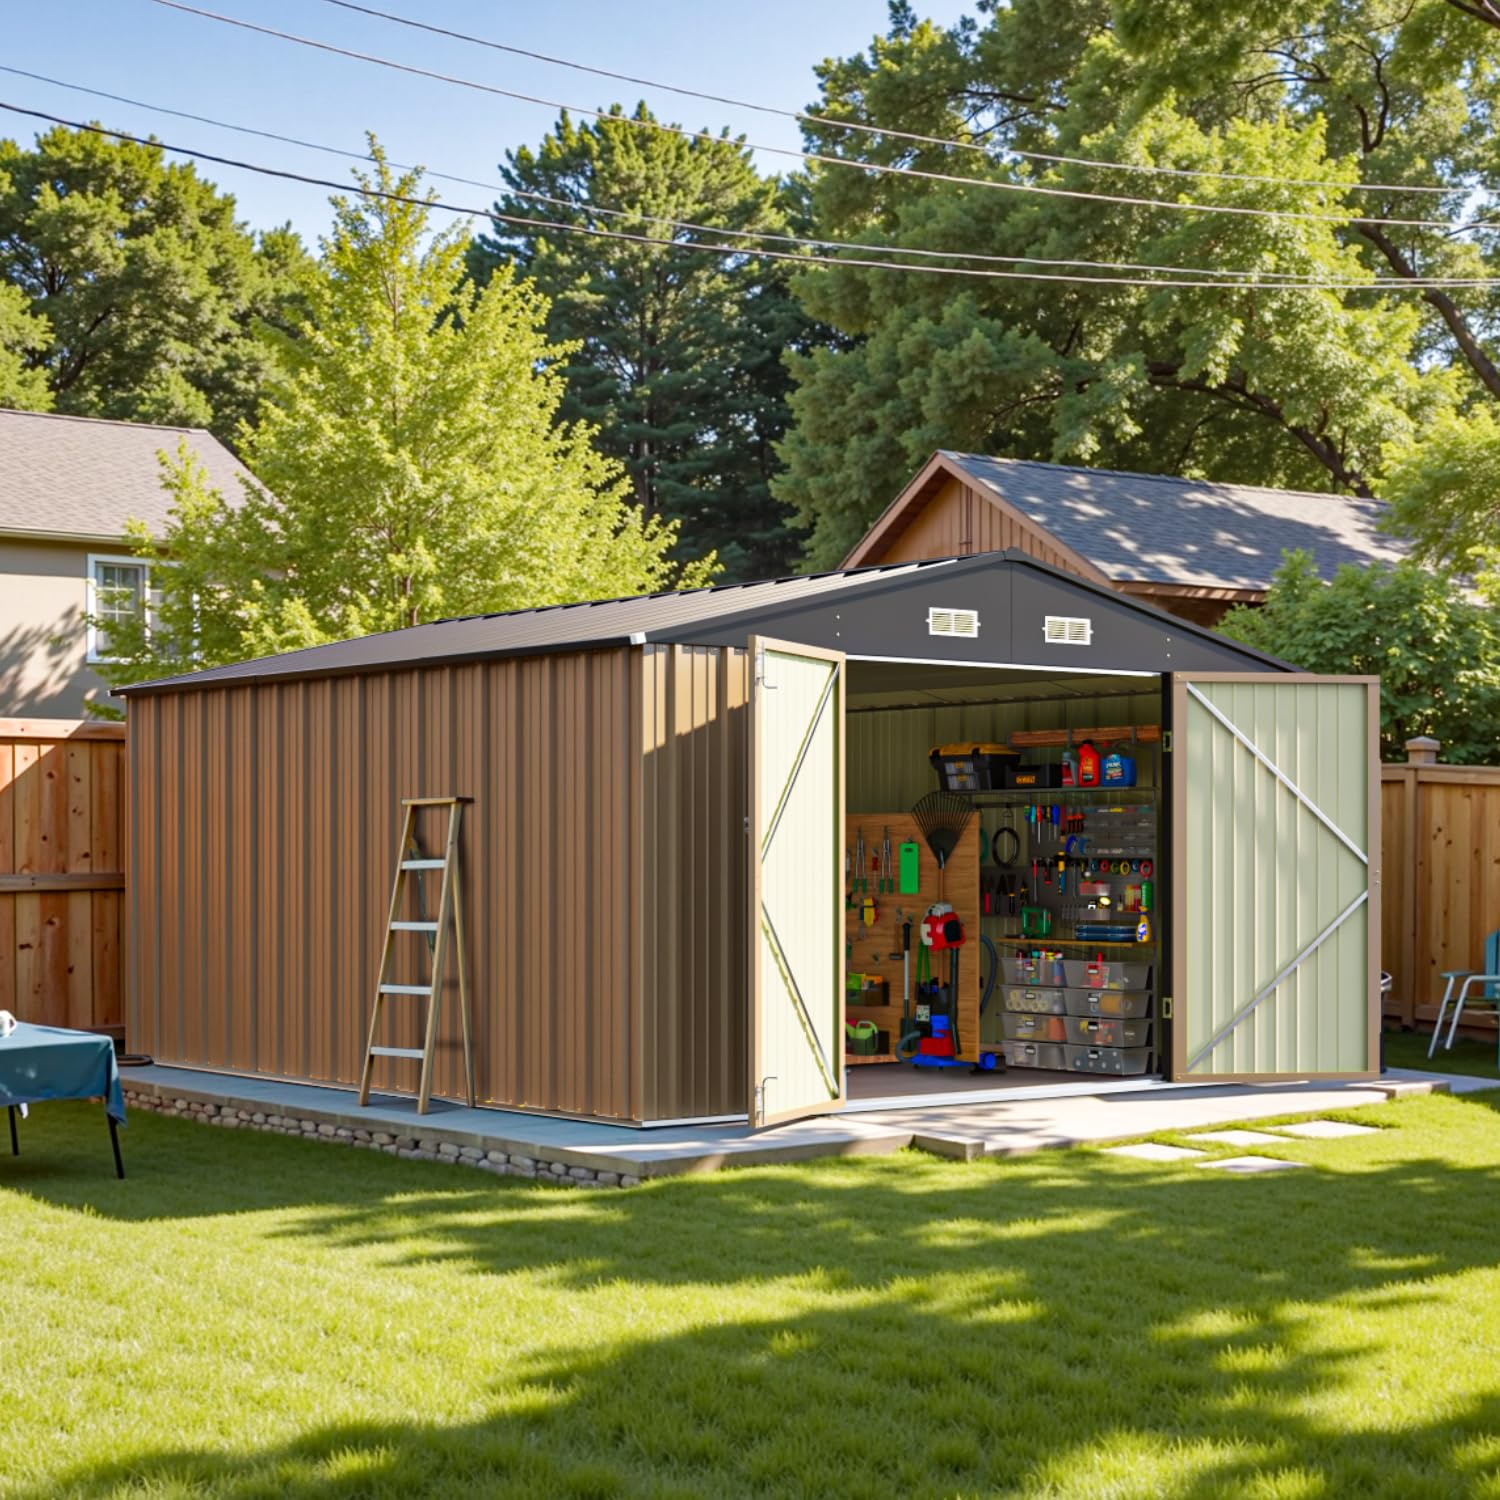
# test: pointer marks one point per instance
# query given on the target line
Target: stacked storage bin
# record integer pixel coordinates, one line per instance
(1078, 1015)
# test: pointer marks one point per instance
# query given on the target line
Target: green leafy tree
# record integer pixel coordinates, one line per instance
(22, 336)
(1436, 648)
(1293, 103)
(677, 355)
(152, 293)
(411, 467)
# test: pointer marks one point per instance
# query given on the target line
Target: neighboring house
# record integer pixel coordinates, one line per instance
(1188, 546)
(68, 486)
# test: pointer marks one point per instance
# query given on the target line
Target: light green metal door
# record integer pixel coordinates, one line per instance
(1274, 921)
(796, 891)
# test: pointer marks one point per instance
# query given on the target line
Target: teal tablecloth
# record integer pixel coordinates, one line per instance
(44, 1062)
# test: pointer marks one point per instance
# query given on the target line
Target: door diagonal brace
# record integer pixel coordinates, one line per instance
(798, 1003)
(806, 745)
(1266, 990)
(1281, 776)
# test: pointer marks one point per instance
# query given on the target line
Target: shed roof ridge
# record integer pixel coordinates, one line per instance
(71, 416)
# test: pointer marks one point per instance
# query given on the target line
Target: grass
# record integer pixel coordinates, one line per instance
(1408, 1049)
(249, 1316)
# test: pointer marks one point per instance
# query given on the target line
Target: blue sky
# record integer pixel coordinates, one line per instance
(764, 51)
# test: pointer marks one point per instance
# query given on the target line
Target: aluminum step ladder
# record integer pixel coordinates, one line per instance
(412, 864)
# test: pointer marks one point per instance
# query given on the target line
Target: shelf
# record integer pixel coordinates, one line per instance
(1057, 942)
(852, 1060)
(1113, 734)
(1045, 796)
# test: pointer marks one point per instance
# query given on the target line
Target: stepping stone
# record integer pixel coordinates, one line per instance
(1251, 1165)
(1325, 1130)
(1235, 1138)
(1150, 1151)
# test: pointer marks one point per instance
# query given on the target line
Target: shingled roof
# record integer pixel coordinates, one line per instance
(1153, 529)
(82, 477)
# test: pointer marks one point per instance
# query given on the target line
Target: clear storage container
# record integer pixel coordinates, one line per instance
(1107, 1031)
(1036, 1055)
(1130, 1005)
(1021, 1026)
(1106, 974)
(1116, 1060)
(1037, 1001)
(1034, 970)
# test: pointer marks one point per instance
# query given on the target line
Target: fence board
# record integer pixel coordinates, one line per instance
(61, 871)
(1441, 874)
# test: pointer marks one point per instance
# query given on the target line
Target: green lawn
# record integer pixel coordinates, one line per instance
(254, 1316)
(1408, 1049)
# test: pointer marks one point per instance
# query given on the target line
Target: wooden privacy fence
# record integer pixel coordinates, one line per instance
(62, 882)
(1440, 845)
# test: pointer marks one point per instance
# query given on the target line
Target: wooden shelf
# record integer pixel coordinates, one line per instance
(854, 1061)
(1114, 734)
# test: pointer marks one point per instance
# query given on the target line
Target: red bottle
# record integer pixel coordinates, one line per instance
(1088, 764)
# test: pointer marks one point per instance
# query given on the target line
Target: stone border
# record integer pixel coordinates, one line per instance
(420, 1147)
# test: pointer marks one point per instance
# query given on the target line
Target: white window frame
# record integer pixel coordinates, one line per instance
(91, 594)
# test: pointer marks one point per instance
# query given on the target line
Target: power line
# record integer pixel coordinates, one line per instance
(1294, 278)
(869, 168)
(807, 118)
(805, 261)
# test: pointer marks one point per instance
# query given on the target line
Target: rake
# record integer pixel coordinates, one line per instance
(942, 818)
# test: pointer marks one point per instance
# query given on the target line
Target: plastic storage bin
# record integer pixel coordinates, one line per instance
(1035, 1001)
(1106, 974)
(1129, 1005)
(1021, 1026)
(1037, 1055)
(1034, 970)
(1121, 1061)
(1107, 1031)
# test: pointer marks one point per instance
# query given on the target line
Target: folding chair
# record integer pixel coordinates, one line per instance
(1463, 980)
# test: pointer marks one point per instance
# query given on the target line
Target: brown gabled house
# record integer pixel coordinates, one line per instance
(1191, 547)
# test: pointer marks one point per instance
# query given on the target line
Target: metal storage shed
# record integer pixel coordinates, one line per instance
(654, 858)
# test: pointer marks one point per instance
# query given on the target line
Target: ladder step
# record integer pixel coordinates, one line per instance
(406, 989)
(414, 926)
(423, 864)
(395, 1052)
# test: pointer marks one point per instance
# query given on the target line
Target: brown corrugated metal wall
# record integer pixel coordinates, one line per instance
(263, 821)
(695, 724)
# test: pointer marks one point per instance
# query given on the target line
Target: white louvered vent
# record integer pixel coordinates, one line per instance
(963, 623)
(1068, 630)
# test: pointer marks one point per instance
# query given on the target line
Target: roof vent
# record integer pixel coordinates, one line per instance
(962, 623)
(1068, 630)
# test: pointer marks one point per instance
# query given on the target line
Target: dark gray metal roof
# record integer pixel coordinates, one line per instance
(878, 611)
(1155, 529)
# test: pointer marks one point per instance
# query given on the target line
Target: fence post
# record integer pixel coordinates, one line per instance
(1422, 750)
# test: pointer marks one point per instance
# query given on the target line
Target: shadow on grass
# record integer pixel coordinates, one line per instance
(1055, 1325)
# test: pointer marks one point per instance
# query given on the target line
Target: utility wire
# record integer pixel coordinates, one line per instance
(804, 117)
(1267, 277)
(869, 168)
(806, 261)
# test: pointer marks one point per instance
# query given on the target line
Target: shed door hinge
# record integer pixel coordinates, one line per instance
(1166, 1007)
(1166, 742)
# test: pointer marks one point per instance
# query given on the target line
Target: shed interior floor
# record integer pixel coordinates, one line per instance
(903, 1080)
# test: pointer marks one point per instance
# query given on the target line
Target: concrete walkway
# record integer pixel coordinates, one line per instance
(603, 1152)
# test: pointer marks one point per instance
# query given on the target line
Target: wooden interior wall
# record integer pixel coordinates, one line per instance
(62, 881)
(1440, 872)
(263, 834)
(877, 949)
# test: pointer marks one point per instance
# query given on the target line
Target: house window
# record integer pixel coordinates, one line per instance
(118, 589)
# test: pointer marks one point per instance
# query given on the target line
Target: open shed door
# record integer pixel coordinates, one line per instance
(1275, 887)
(796, 891)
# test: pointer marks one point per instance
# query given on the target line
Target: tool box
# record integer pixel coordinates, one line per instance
(1027, 778)
(971, 768)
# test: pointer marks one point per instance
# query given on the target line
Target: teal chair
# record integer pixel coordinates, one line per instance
(1462, 981)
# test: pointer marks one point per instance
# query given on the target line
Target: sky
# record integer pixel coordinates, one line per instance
(764, 52)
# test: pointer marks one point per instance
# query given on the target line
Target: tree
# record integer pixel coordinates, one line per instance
(1293, 103)
(22, 335)
(678, 352)
(150, 290)
(410, 467)
(1435, 648)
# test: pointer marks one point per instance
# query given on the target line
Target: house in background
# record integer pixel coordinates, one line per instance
(68, 486)
(1190, 547)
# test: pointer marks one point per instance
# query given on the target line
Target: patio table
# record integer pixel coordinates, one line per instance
(38, 1063)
